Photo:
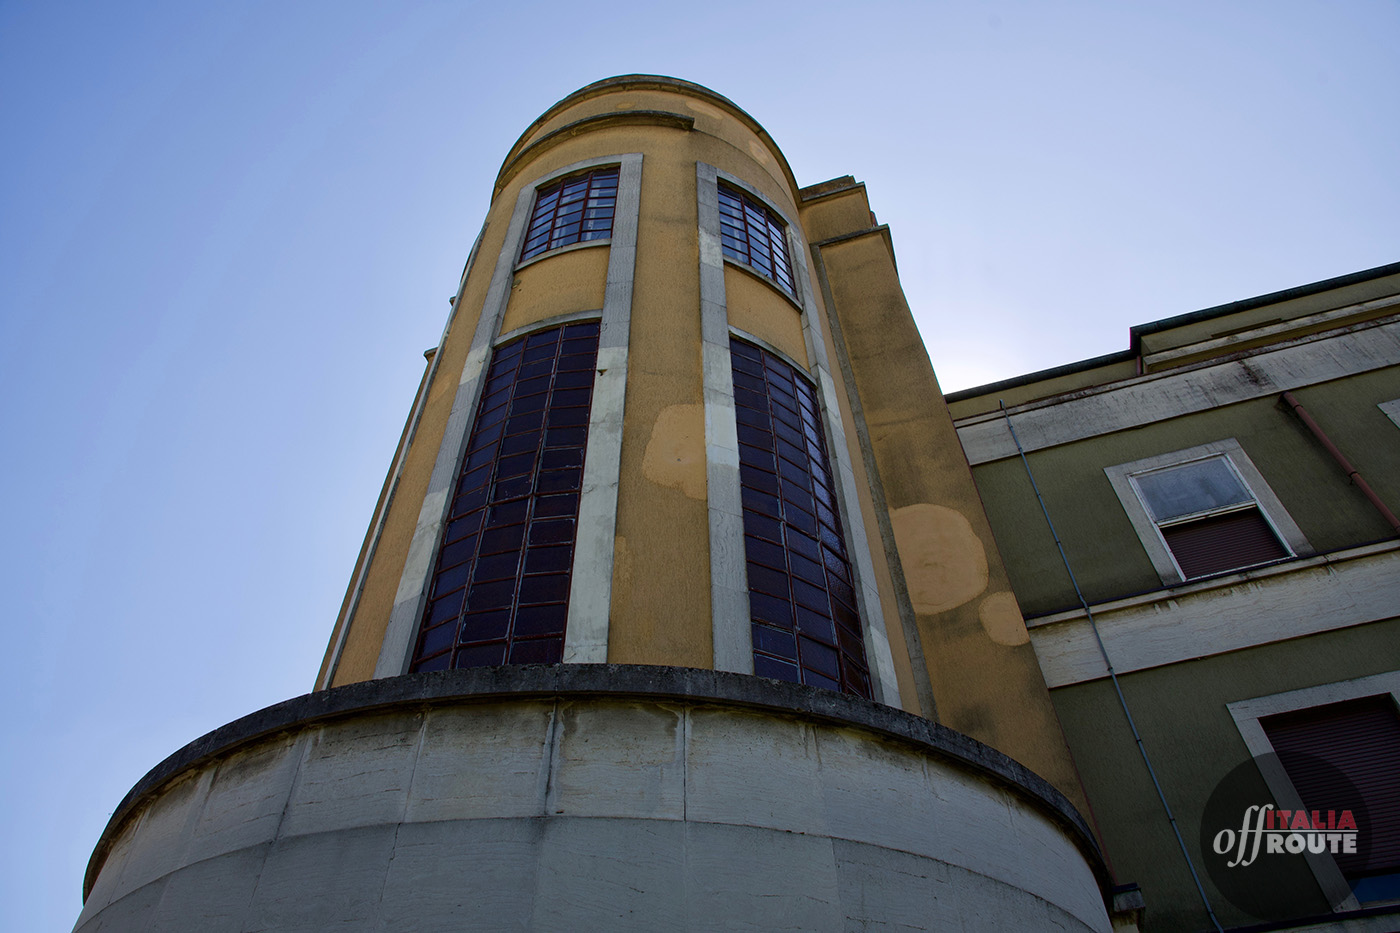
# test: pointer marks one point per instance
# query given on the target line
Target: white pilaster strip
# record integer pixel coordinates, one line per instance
(396, 650)
(729, 583)
(884, 687)
(590, 588)
(418, 567)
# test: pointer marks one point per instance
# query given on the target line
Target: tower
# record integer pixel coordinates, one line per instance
(678, 609)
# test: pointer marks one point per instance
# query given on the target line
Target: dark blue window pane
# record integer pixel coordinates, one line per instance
(800, 633)
(752, 234)
(559, 208)
(537, 651)
(518, 484)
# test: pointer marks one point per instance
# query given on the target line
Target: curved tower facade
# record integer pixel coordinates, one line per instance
(679, 608)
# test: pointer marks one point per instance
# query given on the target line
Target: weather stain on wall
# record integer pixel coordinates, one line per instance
(675, 452)
(706, 109)
(1001, 619)
(945, 564)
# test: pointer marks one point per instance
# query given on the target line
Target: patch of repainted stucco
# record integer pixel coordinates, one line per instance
(622, 564)
(675, 453)
(1001, 619)
(706, 109)
(945, 564)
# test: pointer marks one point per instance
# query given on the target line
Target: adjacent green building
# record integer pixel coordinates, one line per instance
(1222, 493)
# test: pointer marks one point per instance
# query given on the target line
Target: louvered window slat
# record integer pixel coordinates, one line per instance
(1219, 543)
(1360, 740)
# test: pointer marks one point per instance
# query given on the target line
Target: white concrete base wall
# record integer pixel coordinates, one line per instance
(587, 814)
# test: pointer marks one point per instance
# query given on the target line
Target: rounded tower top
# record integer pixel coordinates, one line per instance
(539, 134)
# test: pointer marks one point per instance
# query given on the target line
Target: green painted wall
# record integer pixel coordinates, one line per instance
(1180, 710)
(1102, 545)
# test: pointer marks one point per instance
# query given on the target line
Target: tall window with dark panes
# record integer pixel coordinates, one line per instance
(500, 590)
(802, 597)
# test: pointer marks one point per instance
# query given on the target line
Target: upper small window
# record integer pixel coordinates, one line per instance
(1208, 518)
(753, 235)
(1205, 511)
(573, 210)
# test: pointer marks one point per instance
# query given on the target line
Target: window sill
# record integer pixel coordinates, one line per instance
(585, 244)
(1221, 581)
(765, 279)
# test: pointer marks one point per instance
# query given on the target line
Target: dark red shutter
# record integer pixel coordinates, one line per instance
(1223, 542)
(1360, 740)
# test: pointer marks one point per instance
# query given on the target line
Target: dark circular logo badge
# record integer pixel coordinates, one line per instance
(1277, 861)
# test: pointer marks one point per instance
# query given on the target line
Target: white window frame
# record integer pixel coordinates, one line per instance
(1391, 410)
(1121, 476)
(729, 591)
(1247, 713)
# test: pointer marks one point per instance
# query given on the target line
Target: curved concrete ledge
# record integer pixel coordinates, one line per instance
(561, 763)
(677, 121)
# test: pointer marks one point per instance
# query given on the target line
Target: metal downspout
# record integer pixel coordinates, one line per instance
(1352, 472)
(1112, 674)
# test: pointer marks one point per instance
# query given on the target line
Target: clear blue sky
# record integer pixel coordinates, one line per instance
(229, 230)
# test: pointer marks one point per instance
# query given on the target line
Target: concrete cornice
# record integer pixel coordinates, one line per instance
(1137, 332)
(1129, 403)
(603, 680)
(548, 141)
(1229, 613)
(830, 189)
(882, 229)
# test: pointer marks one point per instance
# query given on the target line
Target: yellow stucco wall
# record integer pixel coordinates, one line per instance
(661, 574)
(984, 675)
(557, 283)
(985, 680)
(757, 308)
(660, 599)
